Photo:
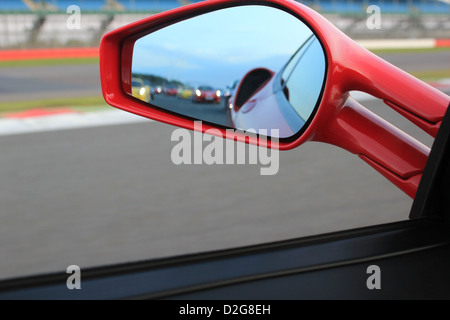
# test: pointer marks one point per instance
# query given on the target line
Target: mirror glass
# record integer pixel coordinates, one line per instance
(249, 67)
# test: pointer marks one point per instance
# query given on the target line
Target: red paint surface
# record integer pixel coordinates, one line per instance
(442, 43)
(22, 54)
(37, 113)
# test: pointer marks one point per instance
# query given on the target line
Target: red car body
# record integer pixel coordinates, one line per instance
(206, 94)
(171, 91)
(158, 90)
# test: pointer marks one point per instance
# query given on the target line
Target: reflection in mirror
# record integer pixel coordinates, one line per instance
(249, 67)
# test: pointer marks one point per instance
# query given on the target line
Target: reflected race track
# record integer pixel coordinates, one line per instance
(211, 112)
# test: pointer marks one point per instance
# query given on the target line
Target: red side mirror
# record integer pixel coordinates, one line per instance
(316, 64)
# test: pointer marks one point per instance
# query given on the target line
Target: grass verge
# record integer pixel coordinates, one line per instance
(79, 104)
(432, 75)
(47, 62)
(94, 103)
(410, 51)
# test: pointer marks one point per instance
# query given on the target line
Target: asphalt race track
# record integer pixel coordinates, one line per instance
(47, 82)
(111, 194)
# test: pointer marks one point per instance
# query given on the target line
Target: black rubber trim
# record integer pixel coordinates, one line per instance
(165, 277)
(433, 195)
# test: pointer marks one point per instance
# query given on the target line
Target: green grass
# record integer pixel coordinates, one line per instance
(409, 51)
(79, 104)
(95, 103)
(47, 62)
(432, 75)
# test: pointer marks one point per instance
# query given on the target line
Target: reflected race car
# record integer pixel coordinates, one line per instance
(206, 94)
(171, 91)
(158, 90)
(185, 93)
(263, 98)
(141, 90)
(229, 92)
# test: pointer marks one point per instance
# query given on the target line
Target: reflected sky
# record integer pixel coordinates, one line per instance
(219, 47)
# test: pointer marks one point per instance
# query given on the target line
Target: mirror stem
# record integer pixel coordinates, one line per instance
(396, 155)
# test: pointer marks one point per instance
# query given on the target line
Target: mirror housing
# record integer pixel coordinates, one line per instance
(116, 60)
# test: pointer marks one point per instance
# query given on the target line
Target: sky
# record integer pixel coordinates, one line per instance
(219, 47)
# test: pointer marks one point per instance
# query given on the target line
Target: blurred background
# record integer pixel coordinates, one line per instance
(83, 183)
(34, 23)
